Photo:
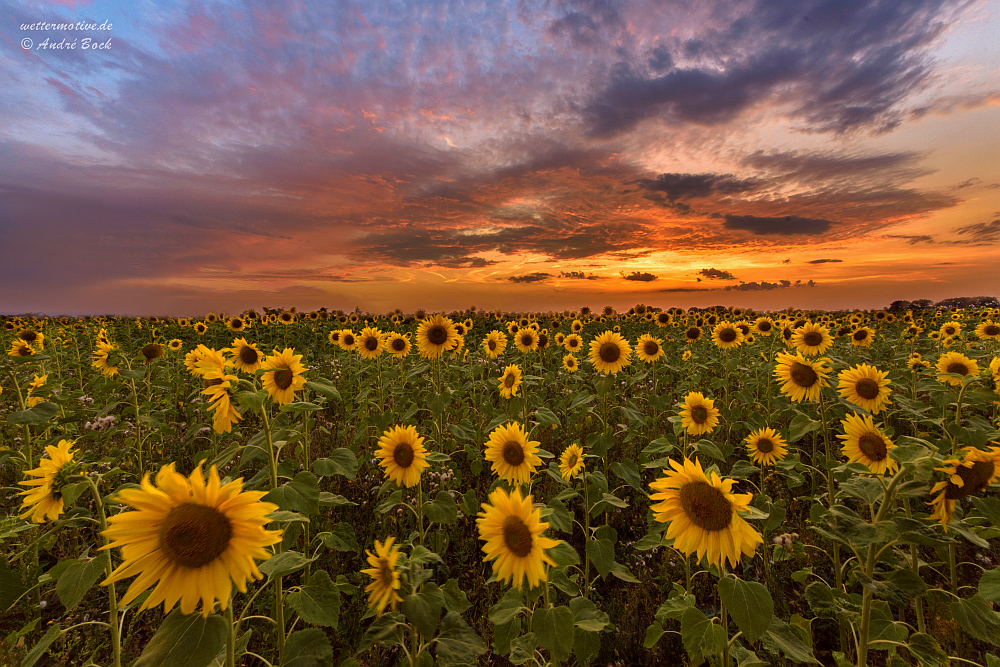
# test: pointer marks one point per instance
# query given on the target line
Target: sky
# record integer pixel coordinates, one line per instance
(523, 155)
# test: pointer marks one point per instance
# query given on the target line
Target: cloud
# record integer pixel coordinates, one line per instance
(824, 261)
(766, 286)
(579, 275)
(784, 226)
(640, 277)
(536, 277)
(717, 274)
(685, 186)
(912, 239)
(981, 232)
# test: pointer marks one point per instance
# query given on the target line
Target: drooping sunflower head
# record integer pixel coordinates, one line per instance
(865, 386)
(570, 363)
(512, 531)
(246, 357)
(513, 456)
(699, 414)
(958, 363)
(435, 335)
(43, 499)
(802, 380)
(967, 476)
(152, 351)
(382, 591)
(284, 375)
(35, 339)
(865, 443)
(610, 353)
(766, 446)
(704, 514)
(648, 348)
(370, 343)
(571, 462)
(726, 335)
(403, 455)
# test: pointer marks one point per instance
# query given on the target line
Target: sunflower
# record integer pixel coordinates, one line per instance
(510, 380)
(225, 415)
(988, 329)
(35, 339)
(284, 375)
(20, 349)
(526, 339)
(763, 326)
(571, 462)
(686, 356)
(152, 351)
(35, 394)
(573, 343)
(576, 327)
(286, 317)
(972, 474)
(766, 446)
(246, 357)
(397, 345)
(951, 329)
(726, 335)
(956, 362)
(236, 324)
(382, 591)
(195, 538)
(865, 443)
(512, 530)
(699, 415)
(811, 339)
(201, 328)
(370, 343)
(403, 455)
(648, 348)
(175, 344)
(704, 514)
(494, 343)
(435, 335)
(347, 341)
(45, 500)
(692, 334)
(865, 386)
(207, 360)
(100, 358)
(570, 363)
(512, 454)
(610, 353)
(334, 337)
(862, 337)
(802, 379)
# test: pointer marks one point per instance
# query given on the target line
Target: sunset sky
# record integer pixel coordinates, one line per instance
(509, 154)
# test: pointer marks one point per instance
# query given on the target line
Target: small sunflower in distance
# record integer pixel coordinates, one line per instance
(570, 363)
(246, 357)
(862, 337)
(766, 446)
(45, 500)
(512, 530)
(510, 381)
(704, 514)
(610, 353)
(648, 348)
(699, 414)
(494, 344)
(763, 326)
(571, 462)
(191, 537)
(435, 335)
(686, 356)
(403, 455)
(573, 343)
(175, 344)
(370, 343)
(726, 335)
(866, 387)
(971, 474)
(382, 591)
(802, 380)
(811, 339)
(526, 340)
(397, 345)
(347, 340)
(284, 375)
(956, 362)
(865, 443)
(513, 456)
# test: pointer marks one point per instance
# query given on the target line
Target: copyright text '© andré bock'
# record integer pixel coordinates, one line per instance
(85, 44)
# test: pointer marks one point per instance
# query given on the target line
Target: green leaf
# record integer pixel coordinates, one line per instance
(423, 555)
(423, 610)
(522, 649)
(470, 503)
(12, 585)
(563, 554)
(977, 618)
(602, 555)
(70, 492)
(621, 572)
(39, 649)
(801, 425)
(653, 634)
(628, 472)
(884, 628)
(990, 507)
(927, 650)
(587, 616)
(284, 563)
(586, 646)
(300, 406)
(559, 518)
(546, 417)
(745, 657)
(989, 585)
(781, 636)
(340, 462)
(299, 495)
(327, 499)
(324, 388)
(39, 414)
(674, 608)
(443, 510)
(438, 402)
(701, 637)
(318, 602)
(865, 488)
(307, 648)
(184, 641)
(77, 579)
(750, 605)
(341, 538)
(553, 629)
(458, 643)
(454, 597)
(504, 634)
(507, 608)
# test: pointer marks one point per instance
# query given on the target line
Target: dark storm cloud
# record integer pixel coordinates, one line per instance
(536, 277)
(639, 276)
(784, 226)
(764, 285)
(824, 261)
(717, 274)
(982, 232)
(686, 186)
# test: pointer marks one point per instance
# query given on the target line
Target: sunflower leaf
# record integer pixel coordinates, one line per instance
(976, 616)
(39, 414)
(184, 641)
(750, 605)
(927, 650)
(307, 648)
(546, 417)
(701, 637)
(340, 462)
(341, 538)
(423, 610)
(39, 649)
(801, 425)
(318, 602)
(553, 629)
(77, 579)
(442, 510)
(989, 585)
(781, 636)
(285, 563)
(458, 643)
(602, 555)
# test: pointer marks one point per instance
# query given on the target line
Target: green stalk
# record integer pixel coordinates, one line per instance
(230, 636)
(116, 641)
(866, 600)
(279, 607)
(915, 567)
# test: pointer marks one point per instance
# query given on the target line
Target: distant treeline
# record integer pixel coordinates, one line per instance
(953, 302)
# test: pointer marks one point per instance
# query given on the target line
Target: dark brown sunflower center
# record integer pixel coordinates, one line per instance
(371, 343)
(950, 331)
(786, 334)
(763, 326)
(385, 573)
(991, 330)
(236, 323)
(699, 414)
(812, 338)
(867, 389)
(957, 367)
(650, 347)
(23, 351)
(248, 355)
(571, 362)
(527, 340)
(398, 345)
(543, 341)
(437, 335)
(975, 479)
(573, 343)
(692, 333)
(513, 453)
(860, 334)
(212, 382)
(152, 351)
(193, 535)
(727, 335)
(28, 336)
(509, 380)
(348, 340)
(610, 352)
(802, 375)
(872, 445)
(706, 506)
(403, 455)
(765, 446)
(492, 344)
(516, 536)
(283, 378)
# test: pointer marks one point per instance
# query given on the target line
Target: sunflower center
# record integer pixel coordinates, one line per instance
(650, 347)
(248, 355)
(950, 330)
(860, 334)
(283, 378)
(765, 446)
(385, 573)
(764, 326)
(509, 380)
(571, 461)
(610, 353)
(573, 343)
(212, 382)
(437, 335)
(193, 535)
(403, 455)
(492, 344)
(975, 480)
(786, 334)
(28, 336)
(527, 340)
(813, 338)
(516, 536)
(991, 330)
(872, 445)
(802, 375)
(152, 351)
(957, 367)
(513, 453)
(398, 345)
(699, 414)
(706, 506)
(692, 333)
(24, 351)
(867, 388)
(727, 335)
(371, 343)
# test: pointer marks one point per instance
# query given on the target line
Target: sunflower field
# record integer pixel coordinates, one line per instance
(656, 487)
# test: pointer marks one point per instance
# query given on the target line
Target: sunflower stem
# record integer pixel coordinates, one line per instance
(586, 536)
(888, 498)
(279, 607)
(116, 641)
(838, 574)
(915, 567)
(725, 628)
(230, 635)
